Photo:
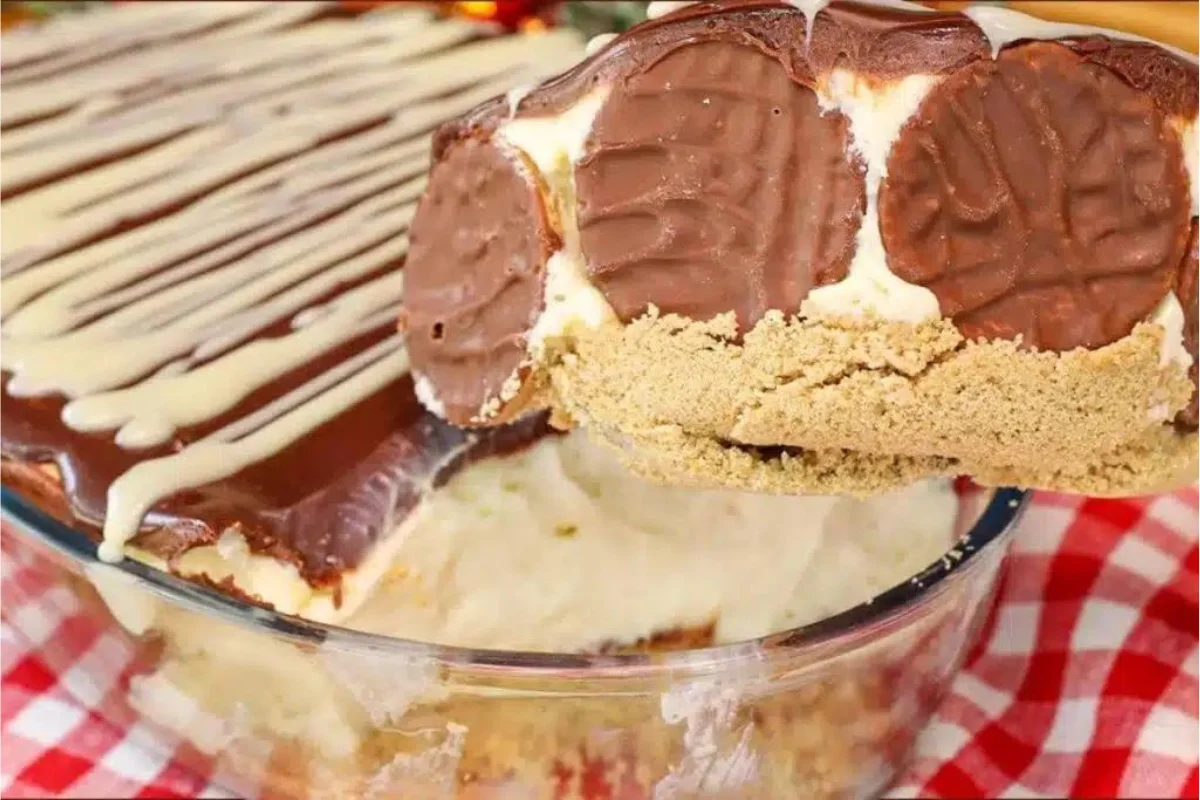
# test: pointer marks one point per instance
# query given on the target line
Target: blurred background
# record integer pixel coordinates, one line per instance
(1175, 22)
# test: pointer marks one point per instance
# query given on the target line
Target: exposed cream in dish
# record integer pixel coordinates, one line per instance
(559, 548)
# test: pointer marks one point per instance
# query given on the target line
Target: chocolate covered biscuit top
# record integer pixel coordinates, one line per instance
(503, 250)
(1026, 180)
(742, 201)
(202, 256)
(1005, 199)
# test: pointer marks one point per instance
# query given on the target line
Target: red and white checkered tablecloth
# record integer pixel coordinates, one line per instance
(1084, 684)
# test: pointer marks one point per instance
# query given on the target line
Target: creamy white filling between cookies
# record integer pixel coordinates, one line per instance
(876, 116)
(554, 145)
(1169, 315)
(427, 395)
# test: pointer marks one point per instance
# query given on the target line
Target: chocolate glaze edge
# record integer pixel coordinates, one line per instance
(840, 31)
(842, 36)
(393, 440)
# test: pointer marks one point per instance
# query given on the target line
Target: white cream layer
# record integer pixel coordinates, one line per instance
(876, 116)
(555, 145)
(1169, 315)
(559, 548)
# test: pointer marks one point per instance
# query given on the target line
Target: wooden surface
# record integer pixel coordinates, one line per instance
(1175, 23)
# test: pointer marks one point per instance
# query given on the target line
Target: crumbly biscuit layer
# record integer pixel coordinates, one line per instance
(874, 404)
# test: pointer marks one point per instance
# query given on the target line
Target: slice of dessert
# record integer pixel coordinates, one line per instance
(829, 247)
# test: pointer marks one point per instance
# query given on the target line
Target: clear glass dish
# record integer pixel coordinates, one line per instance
(305, 710)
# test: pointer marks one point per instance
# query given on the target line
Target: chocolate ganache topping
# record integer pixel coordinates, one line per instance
(830, 159)
(204, 240)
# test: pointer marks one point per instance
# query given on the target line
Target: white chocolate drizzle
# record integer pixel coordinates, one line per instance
(598, 43)
(810, 9)
(514, 96)
(660, 8)
(201, 198)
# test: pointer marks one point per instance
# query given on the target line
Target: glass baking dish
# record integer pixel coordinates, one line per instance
(291, 708)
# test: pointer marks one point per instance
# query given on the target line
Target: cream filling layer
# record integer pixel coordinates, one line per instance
(876, 117)
(554, 145)
(558, 548)
(1169, 316)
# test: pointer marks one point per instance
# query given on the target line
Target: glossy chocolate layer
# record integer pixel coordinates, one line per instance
(321, 504)
(873, 40)
(1167, 79)
(1038, 196)
(713, 182)
(469, 309)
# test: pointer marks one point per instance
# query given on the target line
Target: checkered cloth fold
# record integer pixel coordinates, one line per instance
(1084, 683)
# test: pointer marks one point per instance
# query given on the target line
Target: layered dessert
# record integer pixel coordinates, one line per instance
(829, 247)
(201, 370)
(206, 208)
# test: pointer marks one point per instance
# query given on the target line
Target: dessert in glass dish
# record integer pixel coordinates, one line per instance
(212, 436)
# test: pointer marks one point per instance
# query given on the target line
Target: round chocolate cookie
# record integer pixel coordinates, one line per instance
(473, 290)
(1038, 196)
(713, 181)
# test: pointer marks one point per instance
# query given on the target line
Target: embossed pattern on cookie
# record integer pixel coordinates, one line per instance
(1039, 197)
(713, 181)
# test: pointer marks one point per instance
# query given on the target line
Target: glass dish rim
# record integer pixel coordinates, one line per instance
(997, 517)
